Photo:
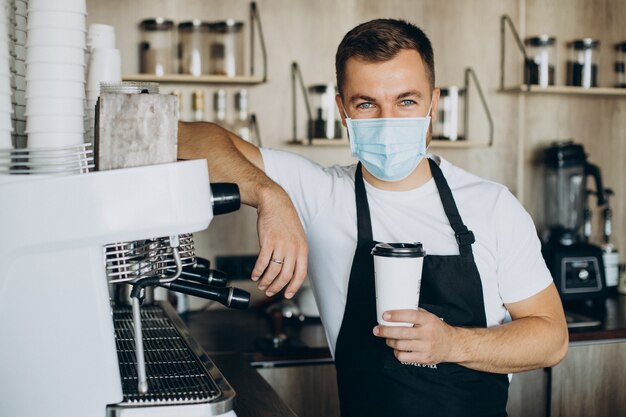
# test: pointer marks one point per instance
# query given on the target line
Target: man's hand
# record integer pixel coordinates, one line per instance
(428, 342)
(283, 256)
(537, 337)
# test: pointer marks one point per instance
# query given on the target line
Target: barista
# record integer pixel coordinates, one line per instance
(483, 252)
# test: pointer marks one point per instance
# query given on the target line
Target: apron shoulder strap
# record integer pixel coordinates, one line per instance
(364, 222)
(464, 237)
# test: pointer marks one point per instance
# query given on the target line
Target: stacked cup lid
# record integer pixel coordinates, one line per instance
(55, 73)
(104, 65)
(6, 107)
(17, 35)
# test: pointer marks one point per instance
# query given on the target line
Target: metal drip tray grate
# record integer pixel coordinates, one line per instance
(175, 374)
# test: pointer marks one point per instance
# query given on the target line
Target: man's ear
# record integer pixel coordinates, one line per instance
(435, 99)
(342, 111)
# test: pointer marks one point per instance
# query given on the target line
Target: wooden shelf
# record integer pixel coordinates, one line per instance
(568, 90)
(457, 144)
(320, 142)
(435, 143)
(190, 79)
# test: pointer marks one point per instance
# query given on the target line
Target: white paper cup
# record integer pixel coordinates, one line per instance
(55, 106)
(53, 139)
(54, 19)
(56, 37)
(101, 36)
(58, 123)
(104, 65)
(57, 89)
(398, 277)
(75, 6)
(55, 54)
(52, 71)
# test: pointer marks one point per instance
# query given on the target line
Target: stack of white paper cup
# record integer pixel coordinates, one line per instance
(17, 35)
(104, 65)
(398, 278)
(55, 73)
(6, 108)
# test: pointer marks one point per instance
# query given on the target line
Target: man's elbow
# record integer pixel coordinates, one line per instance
(561, 344)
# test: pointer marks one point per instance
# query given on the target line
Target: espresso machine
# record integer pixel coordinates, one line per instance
(72, 235)
(575, 263)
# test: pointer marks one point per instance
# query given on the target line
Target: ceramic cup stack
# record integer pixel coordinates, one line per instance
(104, 65)
(55, 73)
(6, 107)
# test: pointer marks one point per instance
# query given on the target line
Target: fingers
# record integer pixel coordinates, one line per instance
(299, 274)
(273, 276)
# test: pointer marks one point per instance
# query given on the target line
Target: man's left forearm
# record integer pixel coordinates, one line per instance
(521, 345)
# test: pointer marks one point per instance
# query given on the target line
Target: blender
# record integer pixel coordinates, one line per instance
(576, 265)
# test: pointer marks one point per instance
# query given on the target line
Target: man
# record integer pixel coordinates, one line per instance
(483, 255)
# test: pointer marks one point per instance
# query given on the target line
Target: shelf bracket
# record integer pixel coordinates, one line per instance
(296, 79)
(504, 20)
(471, 74)
(255, 22)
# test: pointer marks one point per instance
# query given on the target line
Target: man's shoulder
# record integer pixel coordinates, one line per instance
(464, 181)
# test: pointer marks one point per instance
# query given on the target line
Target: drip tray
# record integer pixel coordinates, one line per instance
(181, 378)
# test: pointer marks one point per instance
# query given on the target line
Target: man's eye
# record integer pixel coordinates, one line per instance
(408, 102)
(365, 106)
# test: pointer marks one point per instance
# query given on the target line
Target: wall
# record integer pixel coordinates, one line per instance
(463, 33)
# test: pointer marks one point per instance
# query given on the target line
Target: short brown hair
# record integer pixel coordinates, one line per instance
(380, 40)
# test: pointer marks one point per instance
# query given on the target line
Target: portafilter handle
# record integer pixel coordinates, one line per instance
(225, 197)
(229, 296)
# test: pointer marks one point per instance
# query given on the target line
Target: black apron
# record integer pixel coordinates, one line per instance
(372, 382)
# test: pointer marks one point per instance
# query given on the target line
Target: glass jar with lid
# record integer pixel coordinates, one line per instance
(620, 65)
(582, 64)
(450, 114)
(326, 123)
(539, 68)
(193, 47)
(227, 48)
(156, 49)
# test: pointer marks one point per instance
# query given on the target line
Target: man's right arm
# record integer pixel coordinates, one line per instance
(281, 236)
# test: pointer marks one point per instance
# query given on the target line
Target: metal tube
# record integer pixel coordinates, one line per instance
(142, 380)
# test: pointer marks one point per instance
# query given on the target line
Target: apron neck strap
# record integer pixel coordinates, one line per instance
(364, 222)
(464, 237)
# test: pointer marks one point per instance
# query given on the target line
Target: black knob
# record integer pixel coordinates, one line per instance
(225, 197)
(213, 277)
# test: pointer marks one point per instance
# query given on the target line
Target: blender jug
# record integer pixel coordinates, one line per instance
(566, 190)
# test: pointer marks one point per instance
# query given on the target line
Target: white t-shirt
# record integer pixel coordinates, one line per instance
(507, 250)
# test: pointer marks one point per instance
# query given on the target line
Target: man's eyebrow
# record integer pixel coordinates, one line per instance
(412, 93)
(362, 97)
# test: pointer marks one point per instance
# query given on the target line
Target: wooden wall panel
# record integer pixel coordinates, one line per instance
(464, 33)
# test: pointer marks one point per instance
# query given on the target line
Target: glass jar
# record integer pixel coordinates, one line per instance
(539, 69)
(193, 47)
(156, 54)
(326, 123)
(582, 64)
(450, 114)
(620, 65)
(227, 49)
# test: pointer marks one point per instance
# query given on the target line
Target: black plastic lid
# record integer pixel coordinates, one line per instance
(399, 250)
(226, 26)
(540, 40)
(195, 24)
(582, 44)
(157, 23)
(565, 154)
(620, 46)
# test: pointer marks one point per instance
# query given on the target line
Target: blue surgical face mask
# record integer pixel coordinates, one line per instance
(389, 148)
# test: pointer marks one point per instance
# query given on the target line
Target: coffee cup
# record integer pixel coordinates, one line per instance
(398, 276)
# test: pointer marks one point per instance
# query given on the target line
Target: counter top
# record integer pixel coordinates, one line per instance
(612, 317)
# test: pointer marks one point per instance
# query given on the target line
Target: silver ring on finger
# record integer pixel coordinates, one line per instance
(278, 261)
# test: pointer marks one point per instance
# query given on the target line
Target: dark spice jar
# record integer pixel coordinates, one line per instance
(582, 64)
